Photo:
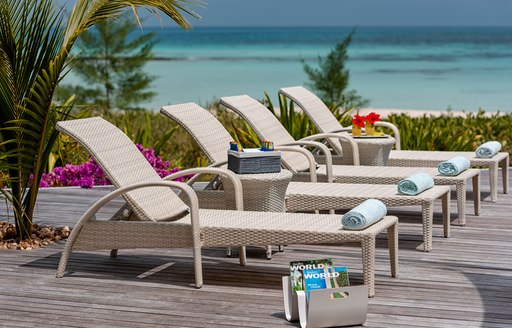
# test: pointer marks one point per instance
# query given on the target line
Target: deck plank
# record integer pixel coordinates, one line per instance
(465, 282)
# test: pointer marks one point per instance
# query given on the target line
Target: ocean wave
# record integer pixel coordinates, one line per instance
(427, 71)
(231, 59)
(443, 58)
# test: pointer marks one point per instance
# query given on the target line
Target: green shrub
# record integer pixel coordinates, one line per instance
(450, 132)
(428, 132)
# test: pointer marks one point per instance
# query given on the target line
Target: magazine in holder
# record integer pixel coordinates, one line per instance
(323, 311)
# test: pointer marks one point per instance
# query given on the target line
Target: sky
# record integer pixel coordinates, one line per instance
(355, 13)
(349, 13)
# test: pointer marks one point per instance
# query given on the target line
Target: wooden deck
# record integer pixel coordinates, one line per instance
(465, 282)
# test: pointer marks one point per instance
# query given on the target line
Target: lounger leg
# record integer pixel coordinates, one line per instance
(461, 202)
(243, 256)
(198, 266)
(269, 252)
(476, 194)
(504, 174)
(368, 253)
(63, 263)
(493, 180)
(393, 249)
(445, 200)
(68, 248)
(427, 218)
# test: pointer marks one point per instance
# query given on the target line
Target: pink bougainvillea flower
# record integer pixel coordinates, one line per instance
(89, 174)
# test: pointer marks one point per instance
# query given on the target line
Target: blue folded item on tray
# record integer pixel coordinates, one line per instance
(454, 166)
(488, 149)
(415, 184)
(364, 215)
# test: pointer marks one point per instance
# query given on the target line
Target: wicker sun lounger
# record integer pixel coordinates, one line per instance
(159, 219)
(325, 121)
(268, 127)
(214, 139)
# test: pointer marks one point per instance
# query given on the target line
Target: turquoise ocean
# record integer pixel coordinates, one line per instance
(421, 68)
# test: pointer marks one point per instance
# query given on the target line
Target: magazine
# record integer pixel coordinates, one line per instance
(297, 270)
(329, 277)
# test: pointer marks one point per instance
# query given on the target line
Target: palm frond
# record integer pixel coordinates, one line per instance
(35, 47)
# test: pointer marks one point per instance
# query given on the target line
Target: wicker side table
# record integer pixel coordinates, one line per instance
(372, 150)
(262, 192)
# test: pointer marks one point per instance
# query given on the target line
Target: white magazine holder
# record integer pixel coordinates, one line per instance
(323, 311)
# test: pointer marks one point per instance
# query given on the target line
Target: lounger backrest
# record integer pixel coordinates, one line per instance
(207, 131)
(316, 110)
(266, 126)
(125, 165)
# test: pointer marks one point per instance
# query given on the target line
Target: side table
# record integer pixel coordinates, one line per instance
(263, 192)
(372, 150)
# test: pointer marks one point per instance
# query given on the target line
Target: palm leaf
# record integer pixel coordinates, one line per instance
(35, 47)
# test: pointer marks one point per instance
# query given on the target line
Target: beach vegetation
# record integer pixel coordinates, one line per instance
(89, 173)
(451, 132)
(36, 47)
(295, 122)
(330, 79)
(110, 64)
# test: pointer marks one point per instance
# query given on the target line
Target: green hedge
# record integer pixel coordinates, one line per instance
(450, 132)
(445, 132)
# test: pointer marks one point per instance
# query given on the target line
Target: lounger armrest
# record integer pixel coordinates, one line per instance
(197, 176)
(347, 129)
(344, 136)
(91, 211)
(309, 157)
(323, 148)
(393, 128)
(213, 170)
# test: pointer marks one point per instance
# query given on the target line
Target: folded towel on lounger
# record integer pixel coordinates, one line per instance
(364, 215)
(453, 166)
(415, 184)
(488, 149)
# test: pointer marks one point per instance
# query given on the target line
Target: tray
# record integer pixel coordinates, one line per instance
(368, 137)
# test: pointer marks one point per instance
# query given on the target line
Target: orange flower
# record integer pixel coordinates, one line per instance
(372, 118)
(358, 120)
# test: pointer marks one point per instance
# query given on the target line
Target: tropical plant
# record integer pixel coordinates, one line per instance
(36, 40)
(89, 173)
(110, 62)
(330, 80)
(141, 134)
(453, 133)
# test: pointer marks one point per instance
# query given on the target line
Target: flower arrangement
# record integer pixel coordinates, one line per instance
(367, 122)
(89, 174)
(371, 118)
(358, 120)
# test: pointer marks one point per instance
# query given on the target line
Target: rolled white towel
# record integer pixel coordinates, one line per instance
(488, 149)
(454, 166)
(364, 215)
(415, 184)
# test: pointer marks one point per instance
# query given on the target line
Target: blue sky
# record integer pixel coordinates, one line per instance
(350, 13)
(356, 12)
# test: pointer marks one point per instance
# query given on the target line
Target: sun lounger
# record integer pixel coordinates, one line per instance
(267, 126)
(326, 122)
(159, 219)
(205, 128)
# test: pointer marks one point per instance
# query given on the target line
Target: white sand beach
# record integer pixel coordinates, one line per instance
(384, 112)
